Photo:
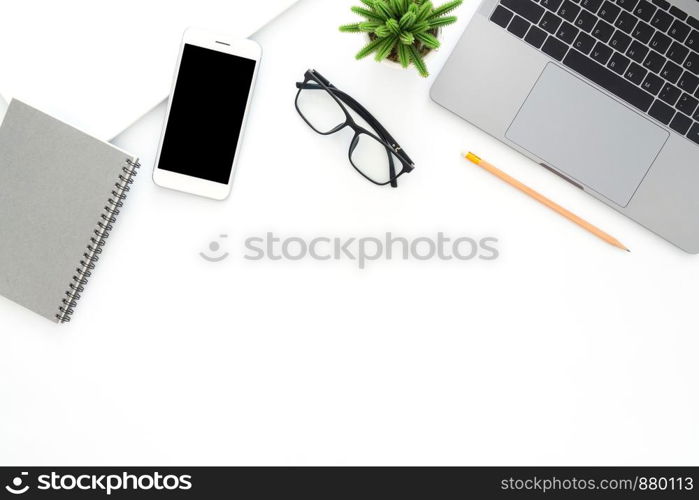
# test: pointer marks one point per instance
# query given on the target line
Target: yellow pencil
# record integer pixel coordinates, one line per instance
(542, 199)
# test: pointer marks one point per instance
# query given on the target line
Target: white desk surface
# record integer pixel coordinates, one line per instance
(563, 351)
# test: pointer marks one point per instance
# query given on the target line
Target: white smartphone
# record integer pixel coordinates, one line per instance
(206, 114)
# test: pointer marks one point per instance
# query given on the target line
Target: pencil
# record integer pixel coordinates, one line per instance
(545, 201)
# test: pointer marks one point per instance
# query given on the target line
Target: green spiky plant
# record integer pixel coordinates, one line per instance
(404, 31)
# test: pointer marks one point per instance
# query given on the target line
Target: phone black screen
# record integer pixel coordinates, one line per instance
(206, 114)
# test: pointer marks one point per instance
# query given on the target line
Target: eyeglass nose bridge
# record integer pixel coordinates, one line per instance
(354, 143)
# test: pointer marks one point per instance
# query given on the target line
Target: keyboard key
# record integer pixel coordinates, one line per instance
(661, 112)
(569, 11)
(694, 133)
(555, 48)
(620, 41)
(677, 53)
(679, 31)
(663, 4)
(567, 32)
(603, 31)
(693, 22)
(619, 63)
(643, 32)
(525, 8)
(653, 83)
(501, 16)
(536, 37)
(635, 73)
(645, 10)
(586, 21)
(660, 43)
(661, 21)
(688, 82)
(678, 12)
(551, 4)
(687, 104)
(693, 40)
(692, 63)
(654, 62)
(671, 72)
(550, 22)
(601, 53)
(637, 52)
(627, 4)
(518, 26)
(670, 94)
(584, 43)
(626, 22)
(608, 80)
(591, 5)
(609, 12)
(681, 123)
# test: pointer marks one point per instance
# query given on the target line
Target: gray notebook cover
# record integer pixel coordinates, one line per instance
(55, 182)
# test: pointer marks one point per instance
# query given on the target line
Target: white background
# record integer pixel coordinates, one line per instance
(564, 351)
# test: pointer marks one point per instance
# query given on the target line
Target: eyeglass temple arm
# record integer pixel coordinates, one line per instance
(364, 113)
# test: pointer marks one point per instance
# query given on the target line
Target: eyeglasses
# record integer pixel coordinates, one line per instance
(374, 154)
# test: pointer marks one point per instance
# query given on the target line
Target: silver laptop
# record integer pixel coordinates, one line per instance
(603, 92)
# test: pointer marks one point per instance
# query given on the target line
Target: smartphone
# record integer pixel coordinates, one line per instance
(206, 114)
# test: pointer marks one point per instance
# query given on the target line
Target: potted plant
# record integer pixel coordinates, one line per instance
(401, 31)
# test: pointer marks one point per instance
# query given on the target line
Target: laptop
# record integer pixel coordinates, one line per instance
(67, 58)
(605, 93)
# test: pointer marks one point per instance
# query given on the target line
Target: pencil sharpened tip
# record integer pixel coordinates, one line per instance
(473, 158)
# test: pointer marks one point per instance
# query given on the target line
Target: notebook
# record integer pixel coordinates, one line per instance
(60, 193)
(62, 57)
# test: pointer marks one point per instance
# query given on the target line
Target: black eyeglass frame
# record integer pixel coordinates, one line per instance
(382, 136)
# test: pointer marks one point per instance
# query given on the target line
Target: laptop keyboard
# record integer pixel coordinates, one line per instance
(646, 52)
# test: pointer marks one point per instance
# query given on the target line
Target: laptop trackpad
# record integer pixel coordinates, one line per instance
(586, 135)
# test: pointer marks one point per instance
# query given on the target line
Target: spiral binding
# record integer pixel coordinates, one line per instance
(97, 241)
